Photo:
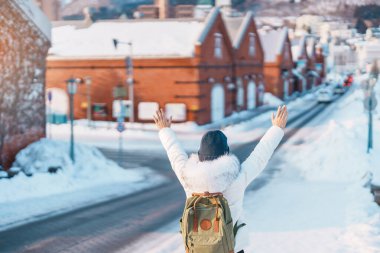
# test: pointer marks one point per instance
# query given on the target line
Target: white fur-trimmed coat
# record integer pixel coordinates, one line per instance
(224, 174)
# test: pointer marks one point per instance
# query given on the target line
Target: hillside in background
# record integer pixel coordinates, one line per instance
(342, 8)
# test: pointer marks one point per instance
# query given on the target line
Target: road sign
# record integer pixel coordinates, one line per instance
(120, 127)
(368, 105)
(50, 95)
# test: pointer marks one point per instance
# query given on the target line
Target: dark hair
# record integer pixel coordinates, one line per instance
(213, 145)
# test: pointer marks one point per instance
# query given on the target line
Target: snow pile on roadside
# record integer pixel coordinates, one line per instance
(270, 99)
(91, 169)
(339, 152)
(362, 233)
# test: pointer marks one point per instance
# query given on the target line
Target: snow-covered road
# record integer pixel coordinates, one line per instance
(317, 202)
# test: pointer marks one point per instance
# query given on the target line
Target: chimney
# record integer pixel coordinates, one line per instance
(163, 7)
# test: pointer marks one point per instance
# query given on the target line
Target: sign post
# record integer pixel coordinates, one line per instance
(50, 115)
(119, 92)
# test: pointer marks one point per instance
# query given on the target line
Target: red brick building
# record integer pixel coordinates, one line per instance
(25, 40)
(313, 76)
(248, 62)
(301, 64)
(278, 62)
(184, 66)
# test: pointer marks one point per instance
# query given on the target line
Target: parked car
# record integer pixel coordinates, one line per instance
(339, 89)
(325, 95)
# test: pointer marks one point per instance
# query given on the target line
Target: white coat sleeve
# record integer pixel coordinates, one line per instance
(177, 155)
(260, 156)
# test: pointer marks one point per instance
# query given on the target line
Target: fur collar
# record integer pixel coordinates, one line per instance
(211, 176)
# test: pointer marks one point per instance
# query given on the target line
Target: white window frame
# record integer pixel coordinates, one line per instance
(147, 115)
(218, 52)
(252, 44)
(179, 111)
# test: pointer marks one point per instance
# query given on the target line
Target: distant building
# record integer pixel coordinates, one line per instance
(25, 40)
(278, 62)
(183, 66)
(248, 62)
(301, 62)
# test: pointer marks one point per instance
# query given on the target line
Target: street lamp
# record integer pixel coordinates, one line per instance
(370, 101)
(71, 89)
(129, 69)
(88, 82)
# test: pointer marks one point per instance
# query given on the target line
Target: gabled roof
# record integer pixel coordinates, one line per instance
(150, 38)
(34, 14)
(298, 47)
(273, 42)
(237, 27)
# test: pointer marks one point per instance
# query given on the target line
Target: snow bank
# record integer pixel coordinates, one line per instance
(338, 153)
(270, 99)
(91, 169)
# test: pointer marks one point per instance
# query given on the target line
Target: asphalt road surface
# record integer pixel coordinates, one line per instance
(108, 226)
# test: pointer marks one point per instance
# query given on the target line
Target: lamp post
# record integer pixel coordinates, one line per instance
(130, 80)
(370, 101)
(88, 82)
(71, 89)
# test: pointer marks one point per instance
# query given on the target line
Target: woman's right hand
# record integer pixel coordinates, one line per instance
(281, 117)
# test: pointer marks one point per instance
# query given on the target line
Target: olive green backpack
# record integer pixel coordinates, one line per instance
(206, 224)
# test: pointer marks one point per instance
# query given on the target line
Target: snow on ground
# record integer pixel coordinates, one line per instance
(92, 179)
(318, 201)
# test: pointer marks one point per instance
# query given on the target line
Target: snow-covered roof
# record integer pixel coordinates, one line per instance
(273, 42)
(298, 45)
(210, 20)
(35, 14)
(237, 26)
(150, 38)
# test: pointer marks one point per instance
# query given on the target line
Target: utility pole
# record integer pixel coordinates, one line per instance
(130, 79)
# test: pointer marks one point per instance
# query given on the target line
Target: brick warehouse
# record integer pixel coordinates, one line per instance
(248, 62)
(24, 43)
(278, 62)
(191, 78)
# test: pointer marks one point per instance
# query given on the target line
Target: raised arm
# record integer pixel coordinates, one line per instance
(177, 155)
(263, 151)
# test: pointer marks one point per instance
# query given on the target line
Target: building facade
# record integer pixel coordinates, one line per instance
(278, 62)
(248, 62)
(25, 33)
(189, 77)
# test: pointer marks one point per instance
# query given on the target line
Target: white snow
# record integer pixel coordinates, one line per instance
(272, 100)
(319, 200)
(92, 178)
(149, 38)
(273, 42)
(33, 12)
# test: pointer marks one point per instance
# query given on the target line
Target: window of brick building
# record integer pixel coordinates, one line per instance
(218, 45)
(252, 44)
(146, 110)
(176, 110)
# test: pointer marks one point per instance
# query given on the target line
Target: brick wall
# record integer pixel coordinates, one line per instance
(22, 105)
(250, 66)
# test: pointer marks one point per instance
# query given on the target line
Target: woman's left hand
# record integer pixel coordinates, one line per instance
(161, 120)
